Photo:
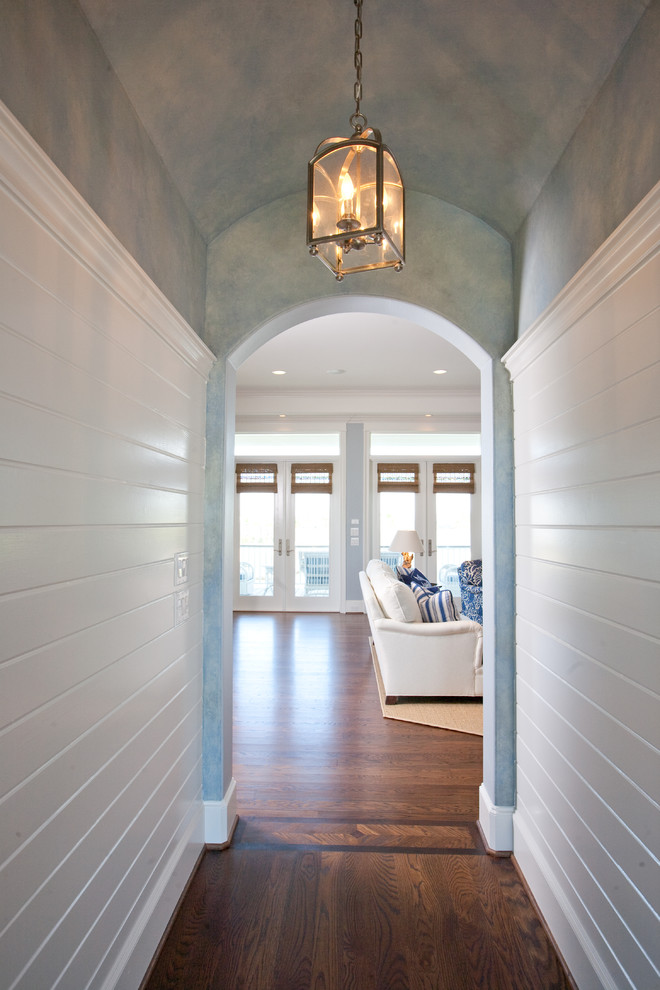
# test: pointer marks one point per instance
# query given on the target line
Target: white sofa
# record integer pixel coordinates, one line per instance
(416, 658)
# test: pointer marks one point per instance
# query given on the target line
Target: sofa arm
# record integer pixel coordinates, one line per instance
(429, 628)
(391, 629)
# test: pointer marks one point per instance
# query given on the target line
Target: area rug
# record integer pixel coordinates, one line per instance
(460, 716)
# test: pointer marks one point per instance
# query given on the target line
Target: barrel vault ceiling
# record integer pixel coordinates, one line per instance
(476, 98)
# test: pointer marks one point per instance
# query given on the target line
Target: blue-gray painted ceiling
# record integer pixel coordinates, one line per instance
(477, 99)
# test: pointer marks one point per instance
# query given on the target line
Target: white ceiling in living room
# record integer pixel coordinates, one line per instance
(372, 353)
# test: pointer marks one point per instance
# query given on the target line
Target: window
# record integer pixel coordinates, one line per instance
(311, 478)
(256, 477)
(398, 477)
(453, 478)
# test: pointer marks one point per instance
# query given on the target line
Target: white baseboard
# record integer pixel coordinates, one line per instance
(220, 818)
(578, 951)
(213, 824)
(153, 919)
(357, 606)
(496, 823)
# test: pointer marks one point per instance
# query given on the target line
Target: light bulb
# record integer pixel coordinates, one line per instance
(347, 190)
(347, 187)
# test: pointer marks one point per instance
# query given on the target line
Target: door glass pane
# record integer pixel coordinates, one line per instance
(257, 535)
(452, 513)
(312, 544)
(397, 511)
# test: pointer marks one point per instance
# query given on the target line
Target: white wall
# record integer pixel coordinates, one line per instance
(587, 443)
(102, 401)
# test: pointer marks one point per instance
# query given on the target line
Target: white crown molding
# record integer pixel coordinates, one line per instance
(449, 393)
(385, 423)
(629, 246)
(35, 182)
(356, 405)
(446, 396)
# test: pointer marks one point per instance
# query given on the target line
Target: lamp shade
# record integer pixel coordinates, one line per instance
(406, 541)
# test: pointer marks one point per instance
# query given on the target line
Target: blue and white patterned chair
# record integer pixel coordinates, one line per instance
(472, 597)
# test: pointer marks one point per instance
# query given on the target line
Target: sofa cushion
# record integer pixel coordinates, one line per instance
(438, 607)
(396, 599)
(379, 567)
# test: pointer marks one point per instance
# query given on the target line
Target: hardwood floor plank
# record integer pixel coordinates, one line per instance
(356, 864)
(436, 954)
(293, 965)
(371, 835)
(324, 734)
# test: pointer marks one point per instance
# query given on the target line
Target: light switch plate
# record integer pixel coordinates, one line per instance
(181, 568)
(181, 606)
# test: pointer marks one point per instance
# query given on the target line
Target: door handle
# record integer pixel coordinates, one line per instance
(430, 547)
(279, 548)
(288, 547)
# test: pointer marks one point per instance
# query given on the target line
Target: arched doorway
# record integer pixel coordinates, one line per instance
(496, 794)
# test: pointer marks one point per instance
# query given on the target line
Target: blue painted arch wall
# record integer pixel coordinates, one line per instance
(458, 285)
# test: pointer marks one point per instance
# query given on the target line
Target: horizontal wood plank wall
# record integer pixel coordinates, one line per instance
(587, 442)
(102, 450)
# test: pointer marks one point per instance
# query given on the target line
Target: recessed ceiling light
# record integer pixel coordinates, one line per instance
(440, 371)
(427, 415)
(282, 415)
(278, 372)
(336, 371)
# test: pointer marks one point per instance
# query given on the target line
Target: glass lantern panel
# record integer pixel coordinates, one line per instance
(344, 190)
(324, 213)
(359, 174)
(392, 200)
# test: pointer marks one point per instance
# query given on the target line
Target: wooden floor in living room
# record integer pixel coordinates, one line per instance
(356, 862)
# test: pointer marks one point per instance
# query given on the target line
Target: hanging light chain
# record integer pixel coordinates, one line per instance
(357, 120)
(355, 194)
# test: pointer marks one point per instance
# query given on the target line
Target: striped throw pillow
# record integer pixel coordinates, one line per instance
(438, 607)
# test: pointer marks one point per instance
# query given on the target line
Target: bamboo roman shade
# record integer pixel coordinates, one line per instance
(311, 478)
(256, 477)
(453, 478)
(398, 477)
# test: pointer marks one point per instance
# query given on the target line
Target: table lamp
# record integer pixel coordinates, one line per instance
(407, 542)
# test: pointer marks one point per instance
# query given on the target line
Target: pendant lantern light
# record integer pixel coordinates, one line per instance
(355, 195)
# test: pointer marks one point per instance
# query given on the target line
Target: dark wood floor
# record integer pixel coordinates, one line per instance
(356, 864)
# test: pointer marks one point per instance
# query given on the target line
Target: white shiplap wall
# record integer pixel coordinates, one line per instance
(586, 382)
(102, 406)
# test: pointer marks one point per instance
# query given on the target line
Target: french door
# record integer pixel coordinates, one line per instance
(286, 537)
(436, 500)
